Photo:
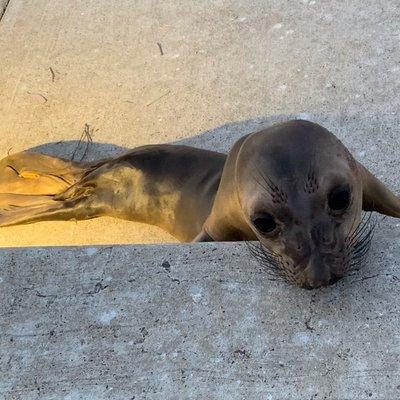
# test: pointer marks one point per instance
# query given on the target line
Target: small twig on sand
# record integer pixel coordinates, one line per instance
(38, 96)
(53, 75)
(160, 47)
(158, 98)
(87, 137)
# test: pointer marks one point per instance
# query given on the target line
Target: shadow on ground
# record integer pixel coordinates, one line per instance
(218, 139)
(369, 140)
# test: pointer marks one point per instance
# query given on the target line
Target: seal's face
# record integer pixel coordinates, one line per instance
(304, 205)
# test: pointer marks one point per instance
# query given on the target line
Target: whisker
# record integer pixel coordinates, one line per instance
(362, 226)
(270, 187)
(359, 242)
(266, 258)
(357, 245)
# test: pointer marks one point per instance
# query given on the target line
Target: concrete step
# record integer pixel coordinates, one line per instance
(201, 321)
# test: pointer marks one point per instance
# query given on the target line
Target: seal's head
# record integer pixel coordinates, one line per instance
(296, 189)
(301, 194)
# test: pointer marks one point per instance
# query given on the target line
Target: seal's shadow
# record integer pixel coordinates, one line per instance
(220, 139)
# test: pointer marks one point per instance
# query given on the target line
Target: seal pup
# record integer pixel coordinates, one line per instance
(293, 187)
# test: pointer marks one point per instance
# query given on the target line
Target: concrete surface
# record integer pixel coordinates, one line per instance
(177, 322)
(228, 68)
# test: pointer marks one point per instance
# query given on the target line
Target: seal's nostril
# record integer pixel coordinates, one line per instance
(315, 285)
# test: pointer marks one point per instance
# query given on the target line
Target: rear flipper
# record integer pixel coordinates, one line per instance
(47, 210)
(36, 187)
(38, 174)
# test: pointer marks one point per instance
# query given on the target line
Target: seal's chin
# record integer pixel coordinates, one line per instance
(331, 281)
(335, 279)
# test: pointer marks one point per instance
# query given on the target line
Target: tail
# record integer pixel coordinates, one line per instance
(36, 187)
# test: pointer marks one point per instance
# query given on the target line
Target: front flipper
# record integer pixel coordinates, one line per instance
(377, 197)
(203, 236)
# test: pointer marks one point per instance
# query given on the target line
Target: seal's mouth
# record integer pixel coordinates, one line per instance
(356, 247)
(332, 281)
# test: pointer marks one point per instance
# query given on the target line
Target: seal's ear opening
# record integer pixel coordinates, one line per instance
(377, 197)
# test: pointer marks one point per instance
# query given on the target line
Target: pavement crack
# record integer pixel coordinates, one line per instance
(307, 322)
(365, 278)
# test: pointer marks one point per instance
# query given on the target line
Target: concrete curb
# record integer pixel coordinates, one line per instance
(193, 322)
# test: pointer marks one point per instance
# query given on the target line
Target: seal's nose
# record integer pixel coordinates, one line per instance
(317, 273)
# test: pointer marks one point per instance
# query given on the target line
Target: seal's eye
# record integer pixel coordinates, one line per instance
(339, 199)
(265, 223)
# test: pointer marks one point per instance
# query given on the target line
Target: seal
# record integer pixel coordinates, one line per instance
(294, 188)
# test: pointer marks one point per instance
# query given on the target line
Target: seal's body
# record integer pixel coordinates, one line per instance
(172, 187)
(294, 187)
